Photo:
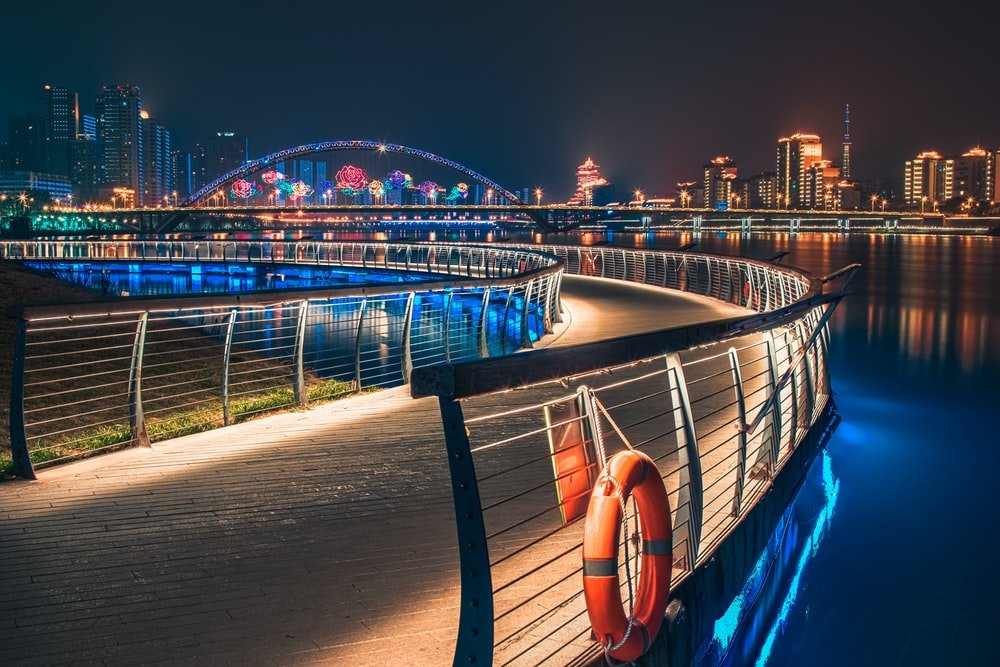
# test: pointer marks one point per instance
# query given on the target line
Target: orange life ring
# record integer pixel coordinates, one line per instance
(627, 473)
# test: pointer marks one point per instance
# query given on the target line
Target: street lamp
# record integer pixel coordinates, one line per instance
(538, 196)
(884, 202)
(638, 196)
(874, 199)
(923, 201)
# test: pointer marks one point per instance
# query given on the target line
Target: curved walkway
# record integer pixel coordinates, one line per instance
(317, 537)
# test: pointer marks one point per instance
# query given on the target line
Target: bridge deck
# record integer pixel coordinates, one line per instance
(323, 536)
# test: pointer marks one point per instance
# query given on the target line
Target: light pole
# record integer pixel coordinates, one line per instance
(923, 202)
(884, 202)
(538, 196)
(874, 199)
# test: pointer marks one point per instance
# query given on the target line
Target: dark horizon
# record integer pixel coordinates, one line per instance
(525, 94)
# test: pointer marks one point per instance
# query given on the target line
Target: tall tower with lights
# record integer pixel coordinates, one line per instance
(845, 159)
(588, 177)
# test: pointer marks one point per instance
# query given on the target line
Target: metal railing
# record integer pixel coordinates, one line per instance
(719, 406)
(94, 376)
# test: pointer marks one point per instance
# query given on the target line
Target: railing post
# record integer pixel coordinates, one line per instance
(136, 418)
(794, 426)
(741, 427)
(226, 353)
(506, 315)
(474, 643)
(525, 312)
(407, 336)
(301, 396)
(447, 320)
(357, 345)
(20, 459)
(691, 493)
(557, 310)
(546, 299)
(775, 413)
(806, 361)
(484, 348)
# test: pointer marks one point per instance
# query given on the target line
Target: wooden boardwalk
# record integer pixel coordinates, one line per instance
(317, 537)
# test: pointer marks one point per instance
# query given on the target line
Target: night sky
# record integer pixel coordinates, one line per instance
(524, 91)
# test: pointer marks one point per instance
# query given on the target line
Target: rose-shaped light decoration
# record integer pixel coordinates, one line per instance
(376, 188)
(270, 177)
(396, 180)
(351, 178)
(463, 188)
(284, 186)
(301, 189)
(243, 188)
(429, 189)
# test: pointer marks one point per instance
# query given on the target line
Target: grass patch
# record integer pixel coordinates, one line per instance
(184, 422)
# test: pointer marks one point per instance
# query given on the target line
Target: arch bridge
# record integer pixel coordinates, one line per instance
(260, 164)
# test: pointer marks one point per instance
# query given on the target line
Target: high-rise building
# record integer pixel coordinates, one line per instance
(119, 127)
(761, 190)
(845, 157)
(588, 177)
(924, 179)
(85, 156)
(56, 187)
(224, 152)
(994, 180)
(61, 110)
(822, 179)
(157, 172)
(180, 175)
(26, 144)
(971, 175)
(718, 177)
(86, 127)
(795, 155)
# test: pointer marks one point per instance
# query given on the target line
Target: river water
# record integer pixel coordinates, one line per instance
(905, 572)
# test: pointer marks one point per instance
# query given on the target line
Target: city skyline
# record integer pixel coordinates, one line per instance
(651, 110)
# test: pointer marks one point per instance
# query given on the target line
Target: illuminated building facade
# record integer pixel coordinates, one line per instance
(822, 179)
(119, 127)
(690, 194)
(158, 182)
(588, 177)
(762, 190)
(718, 180)
(795, 155)
(932, 178)
(845, 157)
(62, 109)
(13, 183)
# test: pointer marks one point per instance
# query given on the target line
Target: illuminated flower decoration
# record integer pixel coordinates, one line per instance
(407, 181)
(243, 188)
(464, 189)
(429, 189)
(284, 187)
(351, 178)
(271, 177)
(301, 189)
(396, 180)
(377, 188)
(454, 195)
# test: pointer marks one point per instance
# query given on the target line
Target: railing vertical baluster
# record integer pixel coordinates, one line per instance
(357, 345)
(136, 417)
(484, 349)
(793, 433)
(525, 312)
(301, 396)
(407, 337)
(741, 455)
(691, 494)
(774, 415)
(506, 316)
(227, 351)
(807, 365)
(557, 310)
(20, 458)
(474, 641)
(449, 295)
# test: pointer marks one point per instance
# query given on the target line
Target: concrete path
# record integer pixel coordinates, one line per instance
(317, 537)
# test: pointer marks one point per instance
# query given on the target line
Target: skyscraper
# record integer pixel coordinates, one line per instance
(224, 151)
(26, 143)
(795, 155)
(845, 158)
(61, 112)
(924, 179)
(157, 172)
(119, 127)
